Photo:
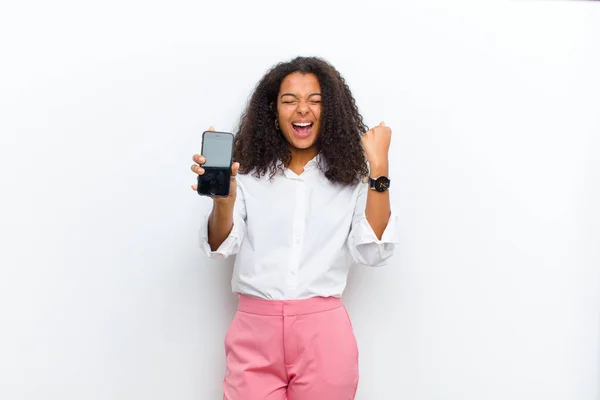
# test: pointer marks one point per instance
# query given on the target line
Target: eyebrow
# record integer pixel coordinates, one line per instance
(293, 95)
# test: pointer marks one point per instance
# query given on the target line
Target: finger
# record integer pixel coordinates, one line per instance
(199, 159)
(382, 123)
(197, 169)
(211, 128)
(195, 188)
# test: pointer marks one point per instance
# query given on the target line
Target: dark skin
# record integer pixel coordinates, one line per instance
(220, 221)
(298, 102)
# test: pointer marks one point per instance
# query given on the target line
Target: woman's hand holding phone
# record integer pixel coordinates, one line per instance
(197, 168)
(220, 221)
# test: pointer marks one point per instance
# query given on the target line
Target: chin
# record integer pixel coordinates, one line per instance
(303, 143)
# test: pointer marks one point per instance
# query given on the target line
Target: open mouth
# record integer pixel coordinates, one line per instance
(302, 129)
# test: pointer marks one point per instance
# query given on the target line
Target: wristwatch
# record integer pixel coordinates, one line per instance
(380, 184)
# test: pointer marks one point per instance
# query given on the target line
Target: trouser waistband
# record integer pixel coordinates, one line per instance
(253, 305)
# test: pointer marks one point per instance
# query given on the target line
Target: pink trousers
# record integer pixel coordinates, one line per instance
(291, 350)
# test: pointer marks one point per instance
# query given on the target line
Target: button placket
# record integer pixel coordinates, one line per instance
(297, 232)
(300, 214)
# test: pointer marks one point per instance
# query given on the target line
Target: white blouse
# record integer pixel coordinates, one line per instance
(296, 236)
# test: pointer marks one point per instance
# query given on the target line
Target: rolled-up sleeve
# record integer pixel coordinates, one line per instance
(364, 246)
(232, 243)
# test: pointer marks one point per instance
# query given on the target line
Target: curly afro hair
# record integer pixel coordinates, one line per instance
(260, 148)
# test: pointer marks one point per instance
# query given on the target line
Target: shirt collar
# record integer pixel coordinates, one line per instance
(313, 164)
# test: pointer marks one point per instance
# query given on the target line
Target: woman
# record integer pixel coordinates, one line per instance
(304, 206)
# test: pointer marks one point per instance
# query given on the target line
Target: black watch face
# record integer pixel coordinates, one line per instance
(382, 184)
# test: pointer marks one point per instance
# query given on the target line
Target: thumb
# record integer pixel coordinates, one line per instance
(234, 168)
(382, 123)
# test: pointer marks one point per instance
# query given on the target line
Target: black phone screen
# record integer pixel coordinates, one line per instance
(217, 149)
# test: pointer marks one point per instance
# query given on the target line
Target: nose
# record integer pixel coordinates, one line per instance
(302, 108)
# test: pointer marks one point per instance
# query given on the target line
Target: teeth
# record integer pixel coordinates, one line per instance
(302, 123)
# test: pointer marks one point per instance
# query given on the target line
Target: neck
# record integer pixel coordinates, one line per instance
(300, 157)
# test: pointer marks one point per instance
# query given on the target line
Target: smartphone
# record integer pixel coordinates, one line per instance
(217, 149)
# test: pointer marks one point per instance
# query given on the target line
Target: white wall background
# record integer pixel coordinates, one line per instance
(493, 294)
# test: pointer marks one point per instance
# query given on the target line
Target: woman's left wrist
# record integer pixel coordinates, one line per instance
(380, 168)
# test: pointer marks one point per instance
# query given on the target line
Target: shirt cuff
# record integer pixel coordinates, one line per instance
(369, 250)
(363, 232)
(229, 246)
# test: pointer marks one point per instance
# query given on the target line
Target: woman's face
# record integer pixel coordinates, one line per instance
(299, 109)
